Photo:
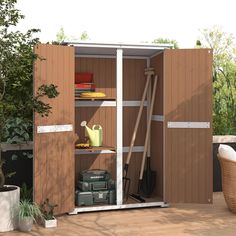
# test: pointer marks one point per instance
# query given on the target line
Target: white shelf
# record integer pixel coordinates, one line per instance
(117, 207)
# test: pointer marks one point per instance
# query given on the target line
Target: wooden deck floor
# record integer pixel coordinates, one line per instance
(178, 219)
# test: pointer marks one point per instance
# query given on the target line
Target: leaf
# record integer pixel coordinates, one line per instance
(9, 175)
(14, 157)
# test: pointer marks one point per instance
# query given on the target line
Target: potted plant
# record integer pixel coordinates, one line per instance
(28, 214)
(47, 210)
(9, 202)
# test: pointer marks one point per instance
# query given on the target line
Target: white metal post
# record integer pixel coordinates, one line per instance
(119, 126)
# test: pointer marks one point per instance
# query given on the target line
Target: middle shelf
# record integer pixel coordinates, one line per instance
(102, 149)
(95, 98)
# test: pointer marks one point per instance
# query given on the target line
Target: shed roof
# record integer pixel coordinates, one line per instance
(109, 49)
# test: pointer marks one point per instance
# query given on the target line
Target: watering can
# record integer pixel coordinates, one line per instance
(95, 134)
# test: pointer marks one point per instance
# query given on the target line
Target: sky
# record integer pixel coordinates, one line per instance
(128, 21)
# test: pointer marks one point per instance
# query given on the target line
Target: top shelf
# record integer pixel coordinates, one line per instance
(95, 99)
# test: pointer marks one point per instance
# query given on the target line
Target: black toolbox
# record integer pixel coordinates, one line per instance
(96, 186)
(83, 198)
(108, 197)
(94, 175)
(95, 198)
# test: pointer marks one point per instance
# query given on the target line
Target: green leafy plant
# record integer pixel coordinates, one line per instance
(224, 78)
(18, 130)
(26, 193)
(165, 40)
(29, 209)
(47, 209)
(17, 102)
(44, 90)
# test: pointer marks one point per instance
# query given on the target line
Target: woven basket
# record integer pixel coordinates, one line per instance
(228, 175)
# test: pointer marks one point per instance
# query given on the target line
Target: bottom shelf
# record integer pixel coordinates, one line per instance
(150, 202)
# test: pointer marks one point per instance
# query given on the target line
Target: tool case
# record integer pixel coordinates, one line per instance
(83, 198)
(94, 175)
(108, 197)
(96, 186)
(95, 198)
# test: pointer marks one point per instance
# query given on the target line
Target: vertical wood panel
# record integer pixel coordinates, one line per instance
(157, 155)
(157, 127)
(188, 159)
(157, 64)
(53, 152)
(133, 78)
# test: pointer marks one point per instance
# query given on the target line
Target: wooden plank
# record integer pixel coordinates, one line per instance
(178, 220)
(187, 151)
(54, 152)
(157, 64)
(167, 104)
(157, 127)
(133, 79)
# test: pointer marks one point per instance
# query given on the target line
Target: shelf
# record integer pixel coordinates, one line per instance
(95, 99)
(103, 149)
(115, 207)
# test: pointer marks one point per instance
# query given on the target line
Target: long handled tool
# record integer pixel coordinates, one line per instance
(137, 196)
(149, 72)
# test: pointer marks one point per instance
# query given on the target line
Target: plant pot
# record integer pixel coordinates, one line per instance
(9, 204)
(26, 224)
(50, 223)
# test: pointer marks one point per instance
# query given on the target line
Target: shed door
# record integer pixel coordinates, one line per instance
(54, 135)
(188, 126)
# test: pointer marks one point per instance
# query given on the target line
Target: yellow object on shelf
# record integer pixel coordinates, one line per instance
(92, 95)
(82, 145)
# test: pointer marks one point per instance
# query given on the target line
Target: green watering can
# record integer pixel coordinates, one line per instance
(95, 134)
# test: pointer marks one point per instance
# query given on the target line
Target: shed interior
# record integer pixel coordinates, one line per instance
(105, 61)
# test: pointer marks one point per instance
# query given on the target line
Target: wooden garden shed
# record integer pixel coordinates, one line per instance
(181, 127)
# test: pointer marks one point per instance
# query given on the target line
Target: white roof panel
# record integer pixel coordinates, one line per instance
(109, 49)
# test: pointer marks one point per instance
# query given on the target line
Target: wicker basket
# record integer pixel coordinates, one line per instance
(228, 173)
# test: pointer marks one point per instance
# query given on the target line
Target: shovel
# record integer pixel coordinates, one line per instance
(126, 185)
(147, 179)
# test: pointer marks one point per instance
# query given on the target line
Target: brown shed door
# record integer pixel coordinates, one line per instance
(54, 135)
(188, 113)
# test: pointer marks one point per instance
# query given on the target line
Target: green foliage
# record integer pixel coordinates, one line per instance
(18, 130)
(44, 90)
(29, 209)
(16, 78)
(17, 57)
(16, 66)
(84, 36)
(61, 36)
(47, 209)
(224, 78)
(26, 193)
(166, 41)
